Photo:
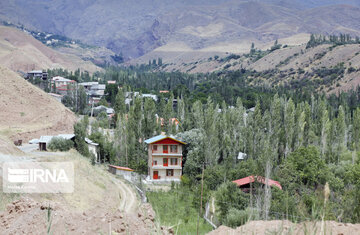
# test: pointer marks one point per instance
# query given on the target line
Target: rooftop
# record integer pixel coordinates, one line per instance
(98, 87)
(121, 168)
(260, 179)
(48, 138)
(89, 141)
(88, 83)
(36, 71)
(161, 137)
(61, 79)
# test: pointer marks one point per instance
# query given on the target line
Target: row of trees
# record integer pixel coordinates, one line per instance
(303, 144)
(302, 140)
(341, 39)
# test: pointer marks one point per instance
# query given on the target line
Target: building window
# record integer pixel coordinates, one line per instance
(155, 163)
(165, 149)
(165, 162)
(173, 161)
(173, 148)
(170, 172)
(155, 147)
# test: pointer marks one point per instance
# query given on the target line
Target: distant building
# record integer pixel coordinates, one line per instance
(62, 85)
(87, 85)
(154, 97)
(97, 90)
(130, 95)
(93, 148)
(94, 100)
(172, 121)
(164, 91)
(45, 140)
(101, 108)
(111, 82)
(165, 154)
(94, 90)
(37, 74)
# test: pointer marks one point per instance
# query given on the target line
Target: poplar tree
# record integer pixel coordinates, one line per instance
(149, 120)
(121, 140)
(211, 142)
(340, 133)
(275, 123)
(299, 127)
(119, 105)
(181, 112)
(324, 130)
(168, 114)
(289, 123)
(356, 129)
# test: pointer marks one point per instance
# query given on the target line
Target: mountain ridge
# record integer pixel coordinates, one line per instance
(137, 28)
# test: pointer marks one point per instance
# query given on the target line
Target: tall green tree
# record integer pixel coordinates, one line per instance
(119, 105)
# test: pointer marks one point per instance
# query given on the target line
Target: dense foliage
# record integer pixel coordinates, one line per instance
(308, 142)
(60, 144)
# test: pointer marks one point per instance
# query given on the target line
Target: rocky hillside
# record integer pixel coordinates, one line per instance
(326, 67)
(136, 28)
(28, 112)
(20, 51)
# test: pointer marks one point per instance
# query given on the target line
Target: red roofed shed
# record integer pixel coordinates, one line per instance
(121, 170)
(244, 183)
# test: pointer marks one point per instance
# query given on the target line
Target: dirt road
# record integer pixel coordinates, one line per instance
(101, 204)
(129, 200)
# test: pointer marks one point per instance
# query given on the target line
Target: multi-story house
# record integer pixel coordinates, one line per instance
(165, 158)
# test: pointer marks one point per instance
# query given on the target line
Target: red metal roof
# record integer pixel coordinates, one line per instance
(260, 179)
(121, 168)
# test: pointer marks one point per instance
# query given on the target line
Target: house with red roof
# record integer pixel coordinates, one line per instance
(245, 183)
(165, 154)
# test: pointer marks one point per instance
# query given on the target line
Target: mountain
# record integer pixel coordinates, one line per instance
(19, 51)
(135, 28)
(327, 67)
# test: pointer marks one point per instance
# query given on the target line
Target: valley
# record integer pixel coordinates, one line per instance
(180, 117)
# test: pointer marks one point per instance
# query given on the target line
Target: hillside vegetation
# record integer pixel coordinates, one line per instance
(325, 67)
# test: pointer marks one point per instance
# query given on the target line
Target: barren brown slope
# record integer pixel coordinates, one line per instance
(27, 112)
(19, 51)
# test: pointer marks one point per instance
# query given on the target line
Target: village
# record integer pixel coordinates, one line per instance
(170, 145)
(162, 144)
(165, 153)
(180, 117)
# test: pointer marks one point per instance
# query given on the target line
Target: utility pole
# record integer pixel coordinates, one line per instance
(202, 188)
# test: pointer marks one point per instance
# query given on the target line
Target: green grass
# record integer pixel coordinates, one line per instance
(174, 209)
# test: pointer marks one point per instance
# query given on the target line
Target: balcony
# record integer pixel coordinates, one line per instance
(161, 167)
(166, 154)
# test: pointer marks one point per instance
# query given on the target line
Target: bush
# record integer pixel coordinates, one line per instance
(60, 144)
(229, 196)
(237, 217)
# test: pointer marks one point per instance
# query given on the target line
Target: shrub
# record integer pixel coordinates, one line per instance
(60, 144)
(351, 69)
(236, 217)
(228, 196)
